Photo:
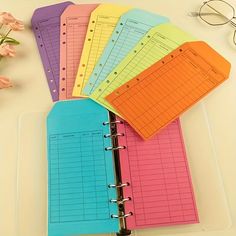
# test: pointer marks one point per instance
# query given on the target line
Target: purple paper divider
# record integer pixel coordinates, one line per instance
(46, 27)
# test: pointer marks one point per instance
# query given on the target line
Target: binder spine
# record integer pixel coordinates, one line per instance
(116, 148)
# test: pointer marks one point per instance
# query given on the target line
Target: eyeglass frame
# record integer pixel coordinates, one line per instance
(229, 21)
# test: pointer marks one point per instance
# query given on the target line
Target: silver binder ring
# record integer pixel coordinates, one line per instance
(121, 185)
(112, 122)
(121, 201)
(114, 148)
(113, 135)
(122, 216)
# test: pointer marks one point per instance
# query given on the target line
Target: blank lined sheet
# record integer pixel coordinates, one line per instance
(74, 24)
(161, 93)
(131, 27)
(80, 170)
(102, 23)
(157, 43)
(160, 183)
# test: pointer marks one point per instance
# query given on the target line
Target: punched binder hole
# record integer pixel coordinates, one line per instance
(91, 30)
(127, 86)
(135, 51)
(63, 79)
(117, 93)
(163, 62)
(41, 45)
(81, 75)
(117, 32)
(149, 36)
(64, 24)
(93, 21)
(78, 85)
(172, 56)
(36, 28)
(100, 64)
(83, 65)
(63, 89)
(64, 33)
(95, 74)
(64, 42)
(121, 23)
(63, 68)
(180, 50)
(108, 81)
(142, 43)
(137, 79)
(115, 73)
(89, 39)
(113, 40)
(49, 70)
(100, 90)
(39, 36)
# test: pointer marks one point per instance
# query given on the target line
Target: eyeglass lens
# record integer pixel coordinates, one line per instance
(216, 12)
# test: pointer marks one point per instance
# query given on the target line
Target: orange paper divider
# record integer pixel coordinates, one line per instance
(165, 90)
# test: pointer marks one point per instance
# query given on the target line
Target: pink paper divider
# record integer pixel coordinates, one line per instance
(74, 24)
(160, 188)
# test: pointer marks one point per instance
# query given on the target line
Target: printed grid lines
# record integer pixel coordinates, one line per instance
(129, 35)
(102, 33)
(75, 36)
(180, 86)
(160, 179)
(154, 49)
(77, 178)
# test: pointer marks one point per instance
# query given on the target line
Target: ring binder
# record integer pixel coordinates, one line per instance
(113, 135)
(122, 216)
(114, 148)
(121, 185)
(120, 201)
(112, 122)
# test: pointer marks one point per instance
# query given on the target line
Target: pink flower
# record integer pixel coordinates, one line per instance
(7, 50)
(6, 18)
(17, 25)
(5, 82)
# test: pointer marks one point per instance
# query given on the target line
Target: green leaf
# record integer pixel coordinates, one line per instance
(9, 40)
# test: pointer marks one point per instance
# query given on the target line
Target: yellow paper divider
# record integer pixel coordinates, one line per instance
(102, 22)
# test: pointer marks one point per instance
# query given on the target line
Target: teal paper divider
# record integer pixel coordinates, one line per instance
(131, 27)
(79, 170)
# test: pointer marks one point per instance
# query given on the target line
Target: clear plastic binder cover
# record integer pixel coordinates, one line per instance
(160, 182)
(213, 211)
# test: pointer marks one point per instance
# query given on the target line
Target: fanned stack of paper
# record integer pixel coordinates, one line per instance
(144, 69)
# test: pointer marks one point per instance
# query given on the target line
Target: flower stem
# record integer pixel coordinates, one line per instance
(2, 41)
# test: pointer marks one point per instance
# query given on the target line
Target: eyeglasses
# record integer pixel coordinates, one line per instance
(217, 12)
